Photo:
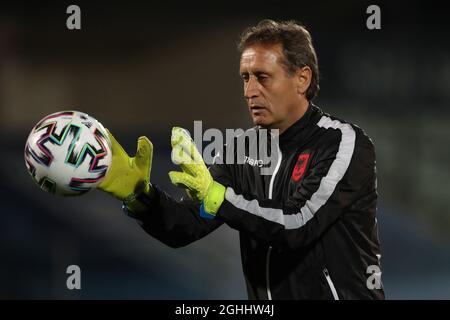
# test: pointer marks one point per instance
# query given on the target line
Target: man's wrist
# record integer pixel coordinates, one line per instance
(205, 214)
(139, 201)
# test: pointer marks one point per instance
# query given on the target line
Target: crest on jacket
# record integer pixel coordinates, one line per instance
(300, 166)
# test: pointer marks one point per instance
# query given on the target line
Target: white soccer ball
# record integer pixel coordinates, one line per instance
(68, 153)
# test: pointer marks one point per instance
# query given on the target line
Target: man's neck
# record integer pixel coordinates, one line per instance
(293, 119)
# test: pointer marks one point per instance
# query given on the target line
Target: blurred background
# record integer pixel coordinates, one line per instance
(142, 67)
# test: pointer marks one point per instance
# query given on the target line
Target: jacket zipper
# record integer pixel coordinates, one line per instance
(269, 250)
(330, 284)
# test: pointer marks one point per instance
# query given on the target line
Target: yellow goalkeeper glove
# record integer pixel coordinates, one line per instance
(195, 177)
(128, 175)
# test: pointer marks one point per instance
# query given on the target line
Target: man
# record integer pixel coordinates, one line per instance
(308, 230)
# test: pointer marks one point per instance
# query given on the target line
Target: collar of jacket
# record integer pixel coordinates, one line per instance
(295, 131)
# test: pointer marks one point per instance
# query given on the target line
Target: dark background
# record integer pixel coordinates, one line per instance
(142, 67)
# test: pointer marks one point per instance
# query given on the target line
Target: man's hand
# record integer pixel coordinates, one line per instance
(195, 177)
(127, 175)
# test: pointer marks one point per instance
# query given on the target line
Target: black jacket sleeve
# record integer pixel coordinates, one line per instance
(342, 173)
(175, 223)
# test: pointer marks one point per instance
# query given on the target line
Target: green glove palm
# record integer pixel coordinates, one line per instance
(195, 177)
(128, 175)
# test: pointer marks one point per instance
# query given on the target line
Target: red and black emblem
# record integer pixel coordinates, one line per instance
(300, 166)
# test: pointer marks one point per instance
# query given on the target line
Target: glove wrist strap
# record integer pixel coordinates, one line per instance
(213, 200)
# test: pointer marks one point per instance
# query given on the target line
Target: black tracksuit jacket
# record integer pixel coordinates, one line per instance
(309, 230)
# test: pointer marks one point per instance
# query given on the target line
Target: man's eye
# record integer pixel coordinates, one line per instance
(244, 78)
(262, 78)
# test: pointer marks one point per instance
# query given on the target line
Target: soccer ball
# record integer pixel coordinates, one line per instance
(68, 153)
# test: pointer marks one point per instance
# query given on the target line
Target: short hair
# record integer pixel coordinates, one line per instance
(296, 44)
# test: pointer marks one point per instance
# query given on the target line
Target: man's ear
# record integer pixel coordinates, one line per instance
(304, 75)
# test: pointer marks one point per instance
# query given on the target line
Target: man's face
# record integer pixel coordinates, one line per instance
(271, 94)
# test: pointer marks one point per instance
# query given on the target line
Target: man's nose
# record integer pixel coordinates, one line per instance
(251, 88)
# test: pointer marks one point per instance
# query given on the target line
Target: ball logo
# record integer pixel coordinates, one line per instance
(300, 166)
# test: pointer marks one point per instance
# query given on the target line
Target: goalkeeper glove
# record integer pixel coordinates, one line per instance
(195, 177)
(128, 176)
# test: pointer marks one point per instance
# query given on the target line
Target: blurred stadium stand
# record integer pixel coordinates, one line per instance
(142, 68)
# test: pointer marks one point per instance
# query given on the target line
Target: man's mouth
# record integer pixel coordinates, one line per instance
(256, 108)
